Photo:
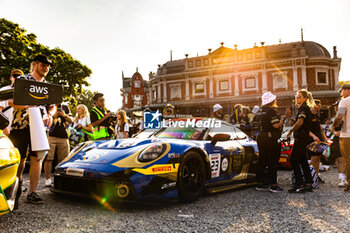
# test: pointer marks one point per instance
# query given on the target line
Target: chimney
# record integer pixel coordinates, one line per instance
(335, 52)
(171, 55)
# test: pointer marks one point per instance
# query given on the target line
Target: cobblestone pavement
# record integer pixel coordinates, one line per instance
(246, 210)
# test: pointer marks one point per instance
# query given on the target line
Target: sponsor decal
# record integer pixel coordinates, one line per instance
(34, 91)
(168, 185)
(75, 172)
(162, 169)
(158, 169)
(173, 155)
(215, 165)
(224, 164)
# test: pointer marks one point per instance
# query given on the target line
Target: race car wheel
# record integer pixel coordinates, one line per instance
(191, 177)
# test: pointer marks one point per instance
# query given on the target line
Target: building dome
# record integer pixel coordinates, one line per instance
(314, 49)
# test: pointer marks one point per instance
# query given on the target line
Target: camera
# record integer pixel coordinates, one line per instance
(59, 107)
(113, 117)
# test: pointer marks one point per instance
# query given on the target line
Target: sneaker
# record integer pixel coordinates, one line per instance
(34, 198)
(308, 188)
(48, 183)
(276, 189)
(262, 187)
(24, 189)
(343, 183)
(296, 190)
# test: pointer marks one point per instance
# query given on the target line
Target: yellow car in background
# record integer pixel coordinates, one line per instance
(9, 162)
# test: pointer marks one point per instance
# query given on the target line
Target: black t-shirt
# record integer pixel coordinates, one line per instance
(315, 126)
(58, 128)
(267, 118)
(305, 113)
(94, 117)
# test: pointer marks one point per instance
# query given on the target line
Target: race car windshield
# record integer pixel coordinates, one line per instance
(180, 133)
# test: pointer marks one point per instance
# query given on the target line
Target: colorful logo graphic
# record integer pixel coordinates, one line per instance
(151, 120)
(38, 90)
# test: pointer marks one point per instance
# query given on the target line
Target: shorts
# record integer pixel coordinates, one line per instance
(21, 140)
(60, 146)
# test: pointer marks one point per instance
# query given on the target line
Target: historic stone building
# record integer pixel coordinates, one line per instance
(230, 76)
(134, 92)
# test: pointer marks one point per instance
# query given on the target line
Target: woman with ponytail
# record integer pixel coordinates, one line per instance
(302, 135)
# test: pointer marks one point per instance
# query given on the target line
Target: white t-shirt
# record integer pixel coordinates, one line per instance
(83, 121)
(343, 108)
(119, 134)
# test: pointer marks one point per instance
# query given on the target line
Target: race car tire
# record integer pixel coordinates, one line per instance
(191, 177)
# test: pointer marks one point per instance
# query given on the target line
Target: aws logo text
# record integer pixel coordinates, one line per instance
(34, 90)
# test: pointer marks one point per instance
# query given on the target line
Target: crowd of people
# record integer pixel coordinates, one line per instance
(263, 123)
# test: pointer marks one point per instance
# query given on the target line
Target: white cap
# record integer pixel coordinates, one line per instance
(267, 98)
(255, 109)
(217, 107)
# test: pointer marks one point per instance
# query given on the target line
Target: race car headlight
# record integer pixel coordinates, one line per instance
(152, 152)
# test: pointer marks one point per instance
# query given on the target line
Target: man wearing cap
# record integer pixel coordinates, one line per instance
(217, 109)
(4, 105)
(344, 140)
(20, 134)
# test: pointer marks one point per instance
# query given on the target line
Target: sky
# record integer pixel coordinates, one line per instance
(111, 36)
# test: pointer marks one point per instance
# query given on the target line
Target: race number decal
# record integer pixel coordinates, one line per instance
(215, 165)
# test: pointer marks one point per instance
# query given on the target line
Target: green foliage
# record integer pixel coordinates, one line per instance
(84, 98)
(18, 48)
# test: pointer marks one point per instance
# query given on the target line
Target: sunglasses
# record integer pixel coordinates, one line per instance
(298, 96)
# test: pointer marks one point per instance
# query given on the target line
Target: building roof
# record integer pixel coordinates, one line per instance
(277, 51)
(312, 49)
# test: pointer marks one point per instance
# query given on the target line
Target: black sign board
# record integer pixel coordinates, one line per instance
(36, 93)
(6, 94)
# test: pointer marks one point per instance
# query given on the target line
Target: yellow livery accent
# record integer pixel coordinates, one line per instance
(158, 169)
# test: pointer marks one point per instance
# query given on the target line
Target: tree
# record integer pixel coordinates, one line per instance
(85, 98)
(18, 48)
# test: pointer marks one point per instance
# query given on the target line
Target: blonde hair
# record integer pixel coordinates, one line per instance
(124, 120)
(273, 104)
(85, 112)
(122, 113)
(309, 99)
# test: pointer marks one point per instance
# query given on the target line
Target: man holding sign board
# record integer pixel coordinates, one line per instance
(27, 130)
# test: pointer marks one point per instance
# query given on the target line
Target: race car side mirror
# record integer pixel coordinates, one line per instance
(220, 138)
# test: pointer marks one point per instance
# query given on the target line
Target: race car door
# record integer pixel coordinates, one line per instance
(225, 156)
